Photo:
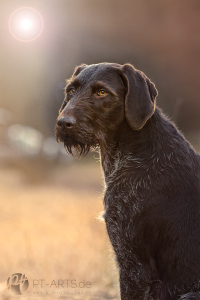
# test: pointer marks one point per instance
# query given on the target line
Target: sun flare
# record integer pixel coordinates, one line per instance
(26, 24)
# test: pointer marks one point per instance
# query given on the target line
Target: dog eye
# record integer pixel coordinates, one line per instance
(71, 91)
(102, 93)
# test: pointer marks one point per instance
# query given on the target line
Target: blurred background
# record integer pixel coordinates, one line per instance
(49, 201)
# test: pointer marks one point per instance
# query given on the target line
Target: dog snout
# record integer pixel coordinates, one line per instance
(65, 123)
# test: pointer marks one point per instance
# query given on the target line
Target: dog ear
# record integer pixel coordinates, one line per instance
(140, 97)
(78, 69)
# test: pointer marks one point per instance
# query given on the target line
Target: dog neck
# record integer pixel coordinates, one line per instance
(156, 142)
(123, 143)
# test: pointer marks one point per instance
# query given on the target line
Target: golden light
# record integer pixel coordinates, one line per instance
(26, 24)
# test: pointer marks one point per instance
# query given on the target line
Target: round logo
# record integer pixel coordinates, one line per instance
(17, 283)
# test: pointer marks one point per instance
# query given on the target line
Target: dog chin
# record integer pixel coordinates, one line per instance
(75, 147)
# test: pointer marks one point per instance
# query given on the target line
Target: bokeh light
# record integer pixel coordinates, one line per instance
(26, 24)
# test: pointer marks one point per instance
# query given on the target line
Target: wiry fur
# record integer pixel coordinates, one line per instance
(152, 176)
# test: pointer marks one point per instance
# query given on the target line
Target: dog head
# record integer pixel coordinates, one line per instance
(97, 100)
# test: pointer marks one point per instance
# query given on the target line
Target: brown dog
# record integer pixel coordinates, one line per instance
(152, 175)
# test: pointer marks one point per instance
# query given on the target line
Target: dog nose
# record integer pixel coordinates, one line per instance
(66, 122)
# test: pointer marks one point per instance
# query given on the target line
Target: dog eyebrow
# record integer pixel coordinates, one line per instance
(103, 85)
(72, 84)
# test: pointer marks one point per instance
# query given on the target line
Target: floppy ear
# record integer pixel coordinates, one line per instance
(140, 97)
(78, 69)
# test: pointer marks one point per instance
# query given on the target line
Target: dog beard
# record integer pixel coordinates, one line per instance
(77, 148)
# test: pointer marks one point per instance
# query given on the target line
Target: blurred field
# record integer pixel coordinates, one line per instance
(50, 231)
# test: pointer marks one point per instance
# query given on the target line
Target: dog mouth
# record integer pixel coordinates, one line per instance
(75, 145)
